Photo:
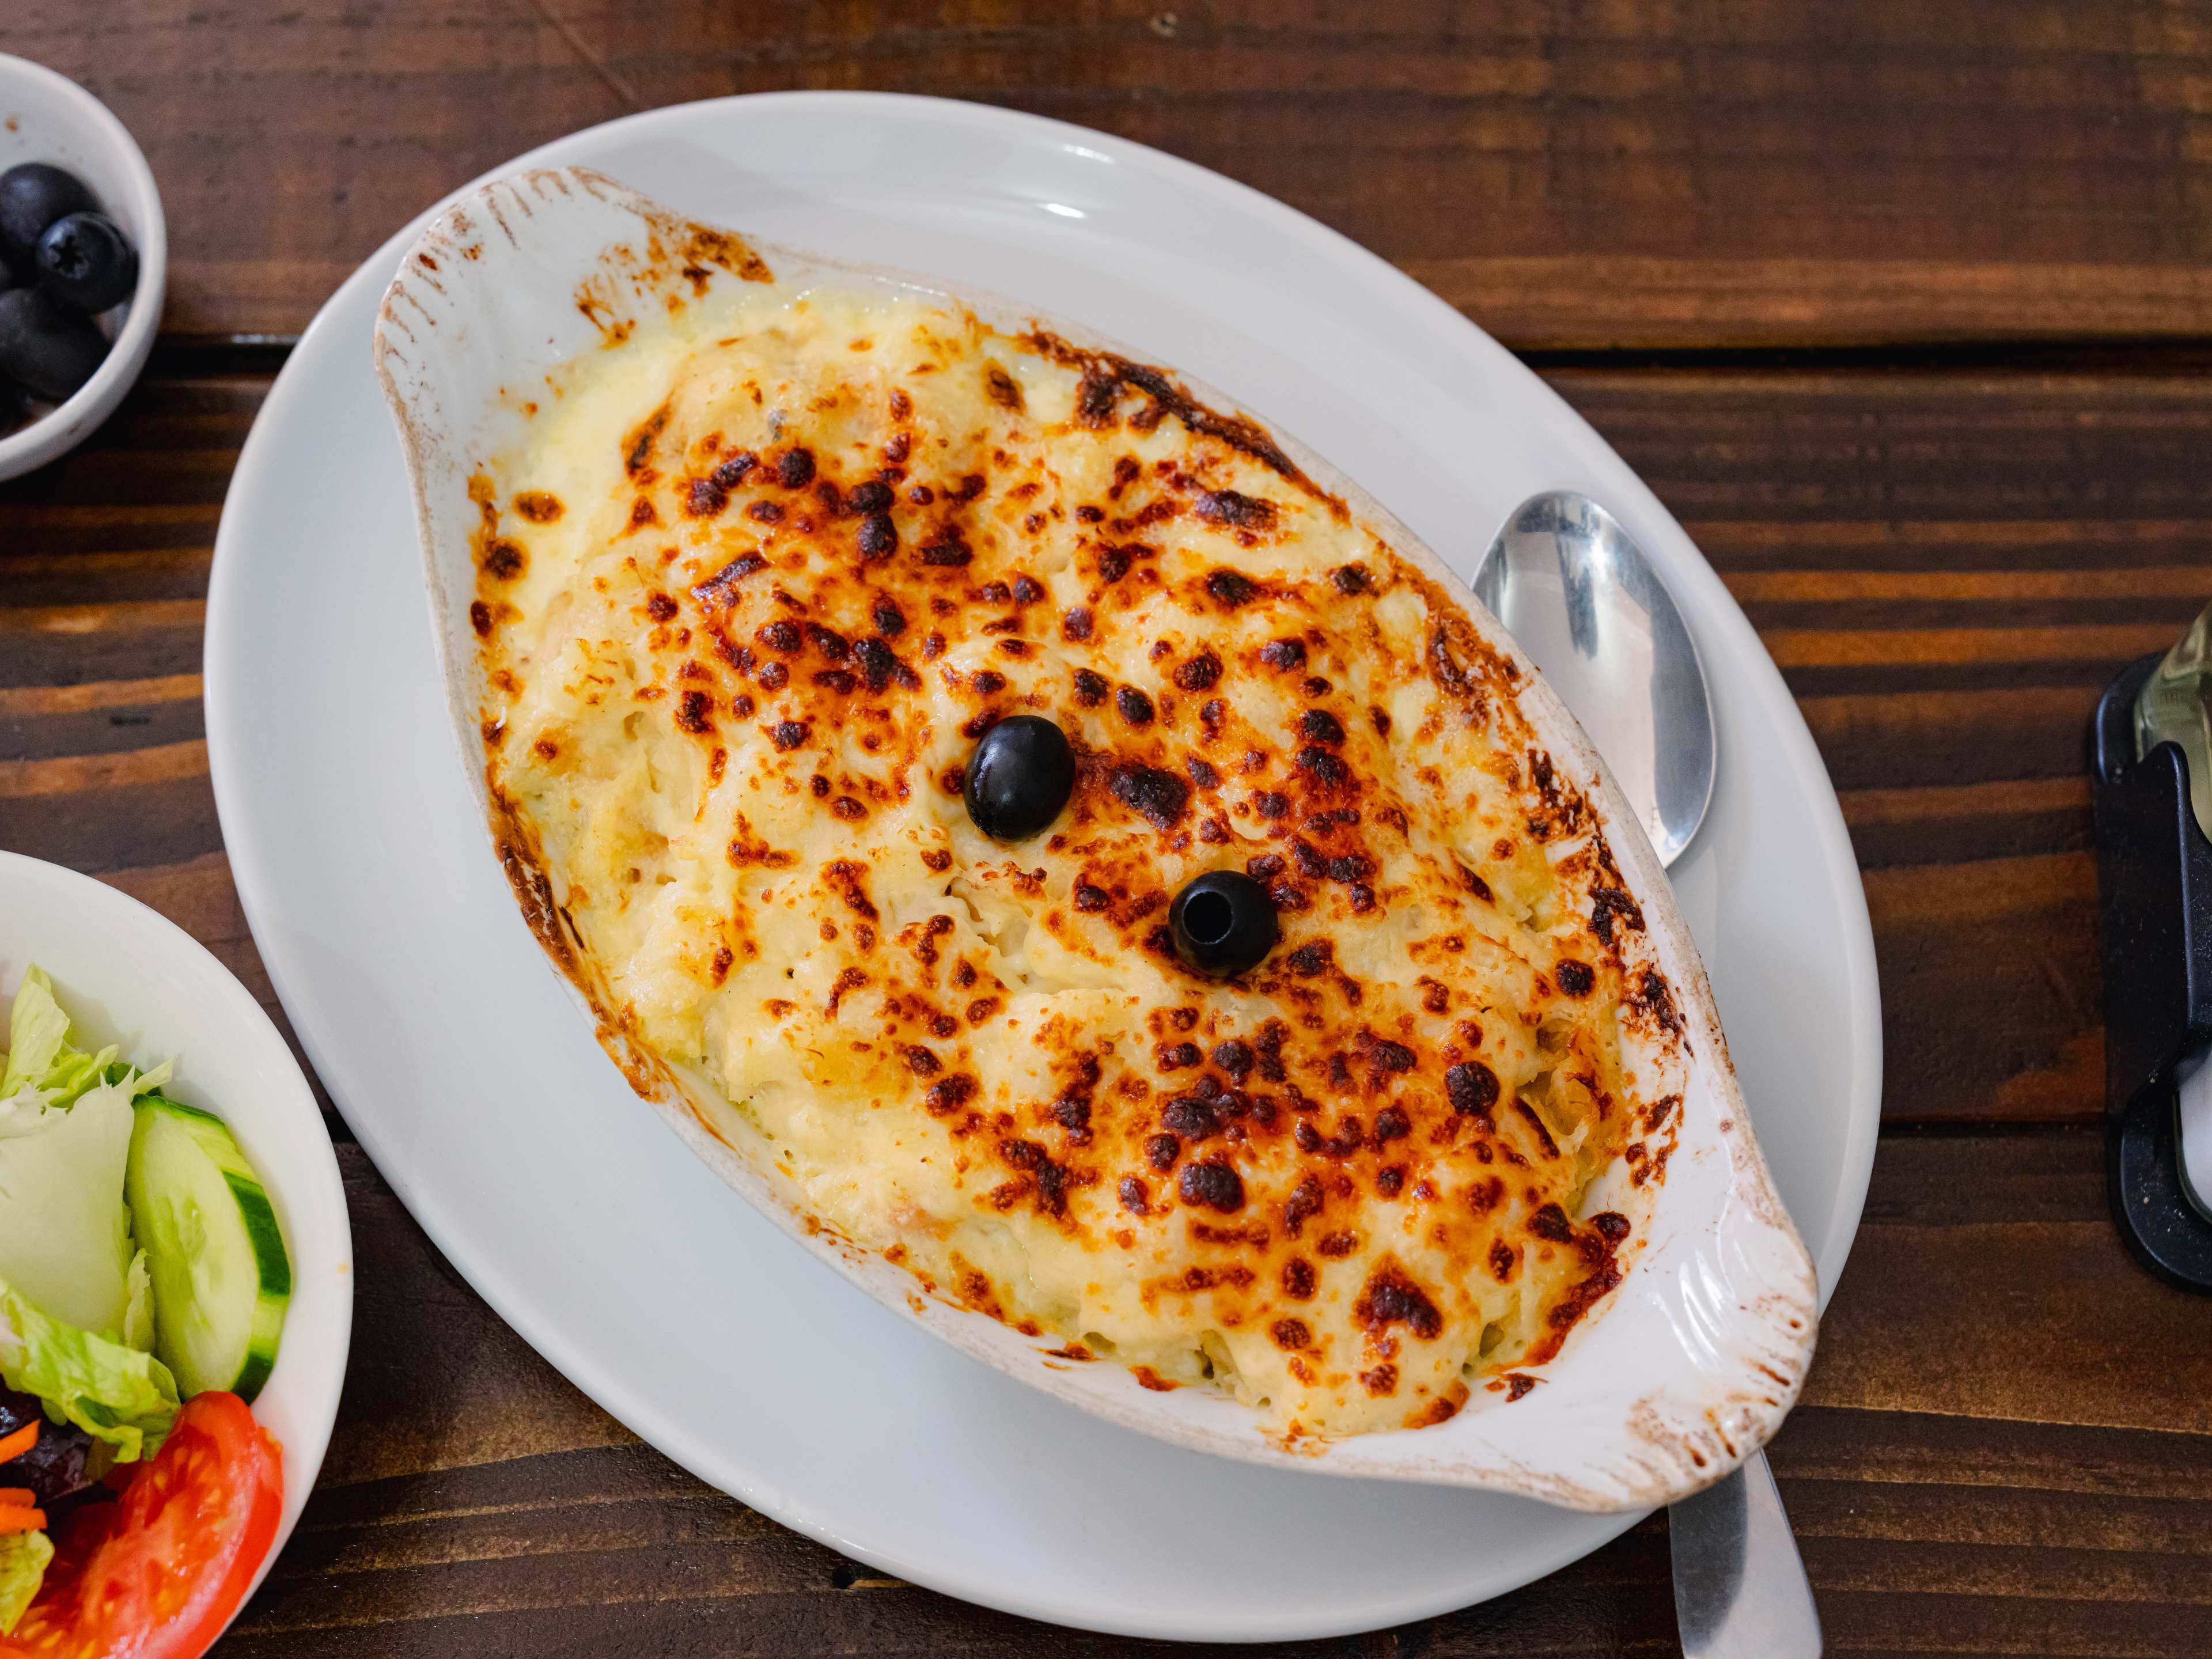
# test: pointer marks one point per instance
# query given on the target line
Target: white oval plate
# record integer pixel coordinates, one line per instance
(458, 1061)
(129, 976)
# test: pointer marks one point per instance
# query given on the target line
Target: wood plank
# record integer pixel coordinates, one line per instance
(38, 722)
(1977, 1467)
(1772, 172)
(1988, 1282)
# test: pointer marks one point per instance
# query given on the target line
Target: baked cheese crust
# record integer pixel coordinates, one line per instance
(750, 593)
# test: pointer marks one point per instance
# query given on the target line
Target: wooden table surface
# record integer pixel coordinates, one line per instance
(1905, 310)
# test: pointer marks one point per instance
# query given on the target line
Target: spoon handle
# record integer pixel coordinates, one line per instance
(1740, 1587)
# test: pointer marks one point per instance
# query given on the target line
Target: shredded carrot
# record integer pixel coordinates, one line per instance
(14, 1446)
(20, 1517)
(18, 1495)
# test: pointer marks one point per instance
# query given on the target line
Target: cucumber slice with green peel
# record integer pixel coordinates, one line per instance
(221, 1276)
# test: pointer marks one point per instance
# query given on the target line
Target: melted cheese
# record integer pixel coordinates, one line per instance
(749, 595)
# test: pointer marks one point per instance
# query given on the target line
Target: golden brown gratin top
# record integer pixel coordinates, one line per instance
(748, 597)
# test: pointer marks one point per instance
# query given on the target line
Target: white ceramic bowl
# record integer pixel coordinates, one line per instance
(1675, 1377)
(129, 976)
(46, 117)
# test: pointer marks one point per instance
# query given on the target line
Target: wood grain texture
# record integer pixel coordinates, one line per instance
(2006, 1444)
(2014, 1488)
(1597, 174)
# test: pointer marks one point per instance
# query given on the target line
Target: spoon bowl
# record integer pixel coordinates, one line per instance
(1578, 595)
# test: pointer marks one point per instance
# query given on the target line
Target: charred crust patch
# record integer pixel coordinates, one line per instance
(1472, 1088)
(880, 666)
(850, 881)
(1104, 375)
(1231, 588)
(1650, 993)
(1134, 706)
(1391, 1297)
(720, 590)
(1611, 908)
(704, 499)
(879, 537)
(1160, 797)
(1238, 512)
(1537, 1127)
(1319, 726)
(1213, 1184)
(1001, 387)
(1325, 769)
(637, 447)
(1550, 1223)
(949, 1094)
(706, 245)
(1200, 673)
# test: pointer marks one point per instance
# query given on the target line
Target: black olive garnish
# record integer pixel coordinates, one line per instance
(1019, 777)
(1222, 923)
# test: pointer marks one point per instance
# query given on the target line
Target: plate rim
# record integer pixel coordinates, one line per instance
(637, 1410)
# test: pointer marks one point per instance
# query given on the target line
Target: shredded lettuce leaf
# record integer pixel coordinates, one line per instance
(119, 1396)
(76, 1313)
(66, 1122)
(23, 1557)
(64, 1231)
(38, 1032)
(138, 1311)
(39, 1054)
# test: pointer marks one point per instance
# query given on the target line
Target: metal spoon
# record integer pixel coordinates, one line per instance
(1578, 595)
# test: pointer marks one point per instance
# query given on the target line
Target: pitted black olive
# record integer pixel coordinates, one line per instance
(87, 263)
(1019, 777)
(1222, 923)
(32, 196)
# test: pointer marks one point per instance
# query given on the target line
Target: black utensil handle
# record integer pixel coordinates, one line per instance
(2154, 900)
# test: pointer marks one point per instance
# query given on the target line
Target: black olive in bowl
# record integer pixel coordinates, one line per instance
(46, 348)
(86, 262)
(1020, 776)
(33, 195)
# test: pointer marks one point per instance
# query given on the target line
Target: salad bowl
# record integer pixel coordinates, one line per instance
(127, 976)
(1687, 1367)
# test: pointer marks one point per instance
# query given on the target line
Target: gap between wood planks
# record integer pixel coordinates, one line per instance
(213, 357)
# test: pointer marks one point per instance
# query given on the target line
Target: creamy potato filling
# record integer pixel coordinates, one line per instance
(759, 579)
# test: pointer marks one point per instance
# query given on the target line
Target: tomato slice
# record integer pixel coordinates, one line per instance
(157, 1573)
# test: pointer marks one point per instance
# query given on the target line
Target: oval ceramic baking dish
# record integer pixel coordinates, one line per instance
(1688, 1364)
